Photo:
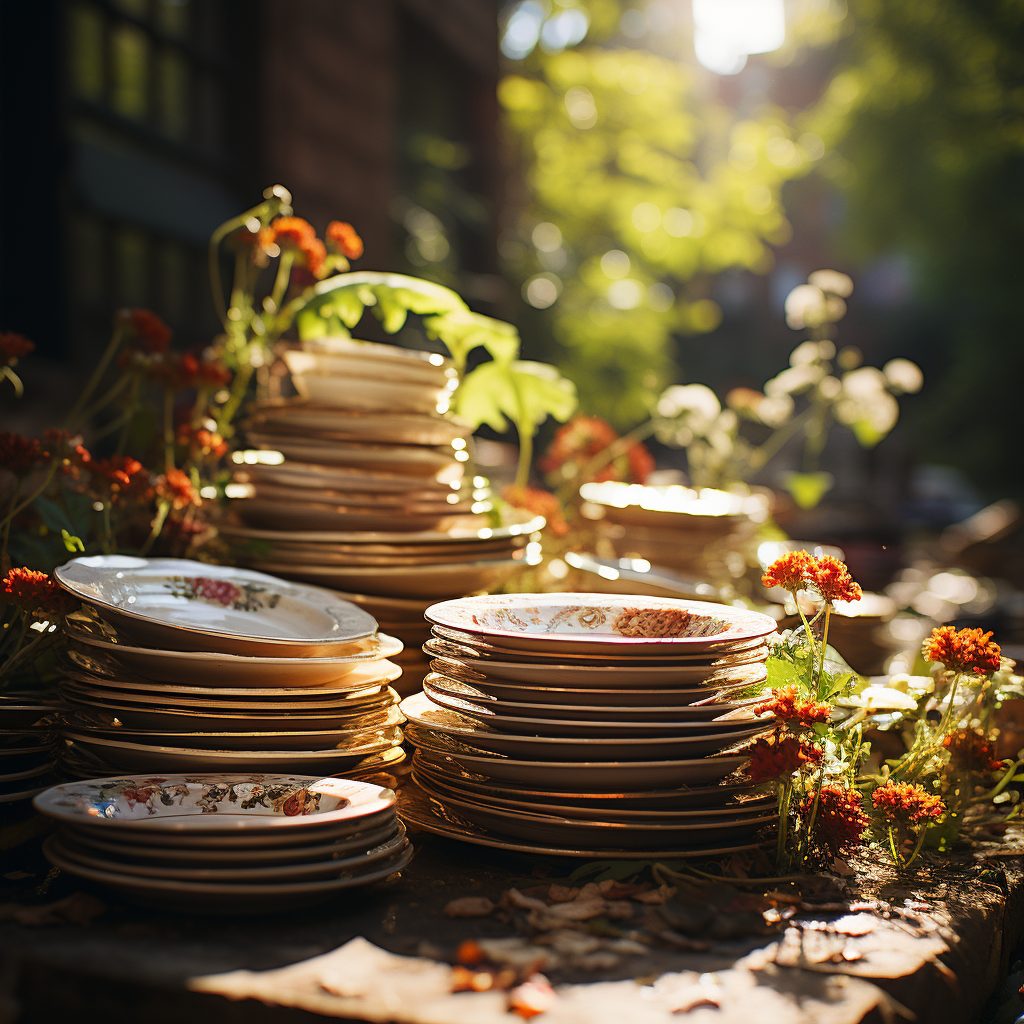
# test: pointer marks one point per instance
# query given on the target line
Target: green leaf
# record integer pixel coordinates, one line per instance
(54, 516)
(867, 435)
(782, 673)
(310, 324)
(389, 310)
(525, 392)
(462, 331)
(808, 489)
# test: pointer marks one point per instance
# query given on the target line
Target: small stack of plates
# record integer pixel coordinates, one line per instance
(588, 725)
(676, 527)
(29, 746)
(245, 844)
(182, 666)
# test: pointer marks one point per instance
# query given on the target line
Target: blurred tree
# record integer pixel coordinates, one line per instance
(924, 123)
(640, 185)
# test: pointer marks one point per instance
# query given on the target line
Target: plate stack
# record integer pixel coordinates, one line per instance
(358, 486)
(676, 527)
(226, 843)
(181, 666)
(29, 746)
(588, 725)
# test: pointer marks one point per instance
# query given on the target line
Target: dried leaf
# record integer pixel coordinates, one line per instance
(469, 906)
(660, 895)
(562, 893)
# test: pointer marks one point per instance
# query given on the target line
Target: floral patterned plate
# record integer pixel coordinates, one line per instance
(549, 624)
(216, 803)
(181, 605)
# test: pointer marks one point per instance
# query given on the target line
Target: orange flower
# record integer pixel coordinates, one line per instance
(792, 571)
(906, 803)
(832, 579)
(343, 237)
(785, 703)
(777, 755)
(194, 372)
(123, 473)
(18, 453)
(35, 591)
(13, 347)
(969, 750)
(541, 503)
(315, 253)
(292, 231)
(176, 487)
(840, 820)
(582, 438)
(204, 442)
(964, 650)
(147, 328)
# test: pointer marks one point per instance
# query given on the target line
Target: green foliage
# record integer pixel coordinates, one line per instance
(648, 185)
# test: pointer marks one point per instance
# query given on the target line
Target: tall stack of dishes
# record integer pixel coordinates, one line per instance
(700, 533)
(29, 746)
(589, 725)
(179, 666)
(358, 485)
(236, 843)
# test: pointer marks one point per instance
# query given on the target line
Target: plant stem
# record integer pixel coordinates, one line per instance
(15, 509)
(824, 647)
(168, 429)
(238, 389)
(917, 848)
(785, 793)
(97, 375)
(129, 416)
(158, 525)
(761, 455)
(618, 447)
(108, 396)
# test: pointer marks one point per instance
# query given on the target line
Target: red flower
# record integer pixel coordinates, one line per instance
(785, 703)
(964, 650)
(833, 581)
(584, 437)
(906, 803)
(343, 237)
(176, 487)
(315, 253)
(792, 571)
(197, 372)
(13, 347)
(204, 442)
(18, 453)
(219, 591)
(292, 231)
(541, 503)
(840, 820)
(148, 328)
(777, 755)
(968, 749)
(35, 591)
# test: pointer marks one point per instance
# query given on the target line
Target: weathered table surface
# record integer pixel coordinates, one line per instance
(131, 964)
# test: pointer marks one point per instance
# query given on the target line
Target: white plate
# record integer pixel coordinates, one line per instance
(154, 758)
(233, 874)
(426, 581)
(353, 358)
(583, 623)
(462, 530)
(307, 474)
(416, 808)
(600, 689)
(219, 897)
(372, 396)
(234, 673)
(213, 804)
(316, 516)
(420, 460)
(180, 604)
(596, 776)
(391, 428)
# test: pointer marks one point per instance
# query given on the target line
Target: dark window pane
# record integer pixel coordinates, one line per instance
(87, 260)
(85, 41)
(172, 282)
(130, 53)
(131, 267)
(173, 17)
(172, 93)
(139, 8)
(209, 113)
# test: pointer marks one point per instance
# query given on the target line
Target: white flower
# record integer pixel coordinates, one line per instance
(832, 281)
(903, 375)
(697, 401)
(805, 307)
(880, 698)
(863, 384)
(794, 380)
(775, 411)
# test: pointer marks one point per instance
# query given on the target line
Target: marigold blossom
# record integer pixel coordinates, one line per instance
(343, 236)
(19, 454)
(968, 749)
(792, 571)
(777, 755)
(13, 347)
(176, 487)
(315, 254)
(964, 650)
(840, 820)
(832, 579)
(907, 803)
(785, 703)
(584, 437)
(149, 329)
(35, 591)
(294, 231)
(541, 503)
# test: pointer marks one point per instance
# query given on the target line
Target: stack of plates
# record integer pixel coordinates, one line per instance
(226, 843)
(675, 527)
(181, 666)
(358, 486)
(28, 747)
(558, 723)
